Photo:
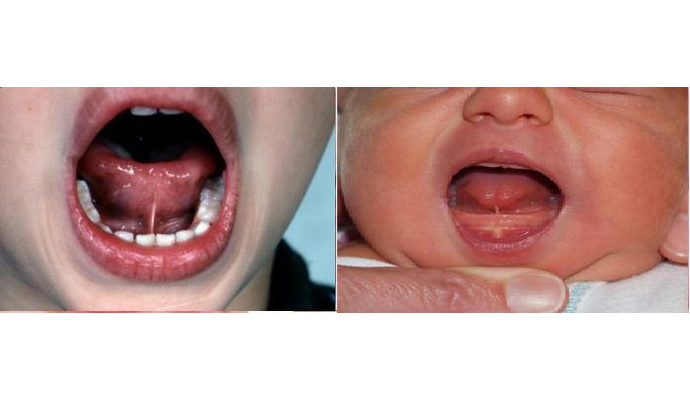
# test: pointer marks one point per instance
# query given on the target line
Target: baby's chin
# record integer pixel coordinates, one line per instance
(611, 267)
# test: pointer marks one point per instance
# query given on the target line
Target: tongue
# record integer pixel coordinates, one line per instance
(502, 205)
(146, 197)
(499, 190)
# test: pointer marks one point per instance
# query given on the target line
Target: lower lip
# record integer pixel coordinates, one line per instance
(516, 241)
(513, 242)
(151, 264)
(154, 264)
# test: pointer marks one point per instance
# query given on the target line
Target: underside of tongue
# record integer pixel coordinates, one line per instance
(146, 197)
(503, 190)
(503, 203)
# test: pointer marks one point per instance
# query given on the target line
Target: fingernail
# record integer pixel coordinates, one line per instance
(675, 246)
(535, 293)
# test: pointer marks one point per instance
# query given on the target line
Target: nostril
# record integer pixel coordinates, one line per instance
(517, 118)
(479, 117)
(531, 118)
(534, 119)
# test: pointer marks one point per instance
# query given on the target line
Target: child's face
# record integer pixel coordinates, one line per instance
(265, 143)
(583, 182)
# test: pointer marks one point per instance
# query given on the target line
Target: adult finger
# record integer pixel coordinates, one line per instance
(467, 289)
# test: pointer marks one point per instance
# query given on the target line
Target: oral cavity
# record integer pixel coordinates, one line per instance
(206, 215)
(152, 177)
(499, 203)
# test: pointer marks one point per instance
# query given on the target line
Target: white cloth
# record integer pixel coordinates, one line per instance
(362, 262)
(664, 288)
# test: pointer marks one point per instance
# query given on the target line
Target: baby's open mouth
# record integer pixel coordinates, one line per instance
(154, 193)
(502, 207)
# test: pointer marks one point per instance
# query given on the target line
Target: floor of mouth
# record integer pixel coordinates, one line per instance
(146, 173)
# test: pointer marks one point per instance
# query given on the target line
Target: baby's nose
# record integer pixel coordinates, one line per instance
(508, 106)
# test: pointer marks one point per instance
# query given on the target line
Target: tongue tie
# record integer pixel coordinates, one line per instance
(486, 190)
(146, 198)
(502, 204)
(152, 224)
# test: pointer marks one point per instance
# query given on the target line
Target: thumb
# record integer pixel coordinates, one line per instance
(466, 289)
(525, 289)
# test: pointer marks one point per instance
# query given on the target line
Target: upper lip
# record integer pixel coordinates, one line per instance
(101, 105)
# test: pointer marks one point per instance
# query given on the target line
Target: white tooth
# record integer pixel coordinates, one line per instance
(183, 236)
(208, 194)
(82, 187)
(86, 203)
(220, 186)
(85, 200)
(145, 240)
(142, 111)
(214, 189)
(170, 111)
(105, 228)
(201, 228)
(93, 215)
(208, 211)
(205, 194)
(83, 193)
(216, 185)
(124, 235)
(495, 165)
(165, 240)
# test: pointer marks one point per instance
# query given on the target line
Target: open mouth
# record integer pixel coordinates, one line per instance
(502, 207)
(154, 187)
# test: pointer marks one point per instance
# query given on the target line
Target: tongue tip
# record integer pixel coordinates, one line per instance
(486, 190)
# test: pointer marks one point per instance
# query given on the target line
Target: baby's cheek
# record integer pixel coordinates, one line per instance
(391, 198)
(641, 189)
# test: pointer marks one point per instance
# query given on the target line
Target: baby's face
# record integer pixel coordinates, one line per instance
(583, 182)
(199, 175)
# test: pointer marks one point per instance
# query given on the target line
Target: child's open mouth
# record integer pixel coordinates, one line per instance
(155, 181)
(502, 207)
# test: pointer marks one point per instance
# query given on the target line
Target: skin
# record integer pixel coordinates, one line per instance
(41, 264)
(626, 189)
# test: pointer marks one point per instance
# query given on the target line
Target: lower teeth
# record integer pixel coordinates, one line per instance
(206, 215)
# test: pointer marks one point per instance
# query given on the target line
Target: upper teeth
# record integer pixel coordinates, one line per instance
(494, 165)
(118, 149)
(207, 213)
(148, 111)
(170, 111)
